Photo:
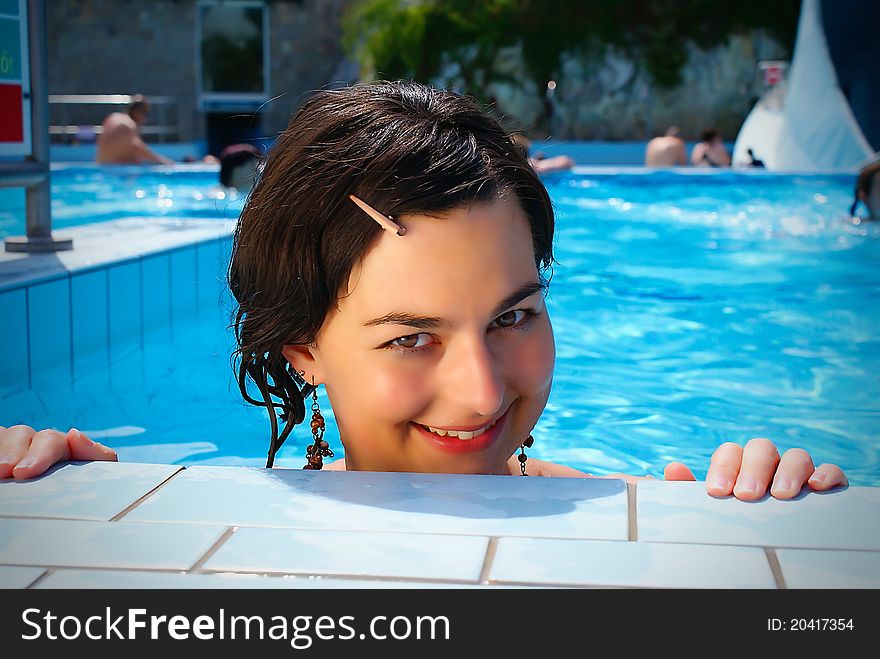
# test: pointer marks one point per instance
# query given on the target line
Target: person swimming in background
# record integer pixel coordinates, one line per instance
(710, 151)
(868, 192)
(239, 165)
(666, 151)
(395, 250)
(539, 162)
(120, 140)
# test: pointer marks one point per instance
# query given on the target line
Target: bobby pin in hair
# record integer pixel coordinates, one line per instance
(384, 221)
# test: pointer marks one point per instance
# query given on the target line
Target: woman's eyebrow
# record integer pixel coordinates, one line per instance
(524, 291)
(433, 322)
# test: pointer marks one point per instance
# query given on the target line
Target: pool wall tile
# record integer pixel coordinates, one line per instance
(125, 307)
(156, 284)
(183, 281)
(18, 577)
(90, 322)
(49, 327)
(683, 512)
(13, 341)
(211, 273)
(82, 490)
(383, 502)
(629, 564)
(806, 568)
(77, 543)
(404, 555)
(58, 320)
(227, 301)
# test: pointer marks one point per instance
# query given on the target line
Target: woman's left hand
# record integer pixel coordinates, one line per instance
(747, 472)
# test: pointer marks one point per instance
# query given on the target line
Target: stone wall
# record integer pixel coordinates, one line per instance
(149, 47)
(611, 100)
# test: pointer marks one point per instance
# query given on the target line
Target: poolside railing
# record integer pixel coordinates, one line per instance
(97, 106)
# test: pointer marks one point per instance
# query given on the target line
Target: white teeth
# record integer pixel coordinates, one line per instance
(460, 434)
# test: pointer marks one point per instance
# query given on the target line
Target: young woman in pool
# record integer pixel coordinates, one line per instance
(394, 251)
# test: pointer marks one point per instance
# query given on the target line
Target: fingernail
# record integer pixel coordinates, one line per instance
(782, 485)
(817, 479)
(7, 460)
(720, 482)
(26, 463)
(747, 485)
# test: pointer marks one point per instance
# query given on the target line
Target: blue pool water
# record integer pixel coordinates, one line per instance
(84, 194)
(689, 309)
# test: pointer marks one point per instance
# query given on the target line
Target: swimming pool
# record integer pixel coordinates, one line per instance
(84, 194)
(690, 309)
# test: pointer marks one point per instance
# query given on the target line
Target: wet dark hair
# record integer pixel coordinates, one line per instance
(864, 183)
(709, 134)
(138, 103)
(234, 156)
(402, 147)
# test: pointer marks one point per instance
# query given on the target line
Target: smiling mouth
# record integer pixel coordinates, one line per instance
(463, 441)
(460, 434)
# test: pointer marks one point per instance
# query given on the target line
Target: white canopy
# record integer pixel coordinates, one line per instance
(805, 123)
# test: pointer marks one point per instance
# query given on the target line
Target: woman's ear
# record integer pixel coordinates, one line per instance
(303, 359)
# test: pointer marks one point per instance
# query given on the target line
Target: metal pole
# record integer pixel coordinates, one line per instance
(39, 208)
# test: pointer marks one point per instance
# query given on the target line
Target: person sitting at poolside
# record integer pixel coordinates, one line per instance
(238, 166)
(120, 140)
(539, 162)
(868, 191)
(395, 250)
(710, 152)
(666, 151)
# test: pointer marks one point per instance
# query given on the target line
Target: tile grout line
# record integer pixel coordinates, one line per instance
(334, 576)
(140, 263)
(45, 575)
(491, 549)
(27, 330)
(110, 568)
(200, 563)
(632, 528)
(109, 314)
(559, 584)
(269, 574)
(775, 568)
(70, 324)
(118, 516)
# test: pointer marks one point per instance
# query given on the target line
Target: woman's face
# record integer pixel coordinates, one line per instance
(441, 329)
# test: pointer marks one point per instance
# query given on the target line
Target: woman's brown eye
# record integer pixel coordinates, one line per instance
(507, 319)
(407, 341)
(411, 341)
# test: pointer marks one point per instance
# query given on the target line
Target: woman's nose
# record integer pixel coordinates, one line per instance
(473, 378)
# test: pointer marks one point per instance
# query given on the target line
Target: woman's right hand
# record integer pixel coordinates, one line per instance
(27, 453)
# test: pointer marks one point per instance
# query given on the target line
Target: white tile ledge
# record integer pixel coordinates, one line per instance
(106, 243)
(683, 512)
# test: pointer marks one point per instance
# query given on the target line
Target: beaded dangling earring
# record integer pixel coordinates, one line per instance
(315, 453)
(522, 453)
